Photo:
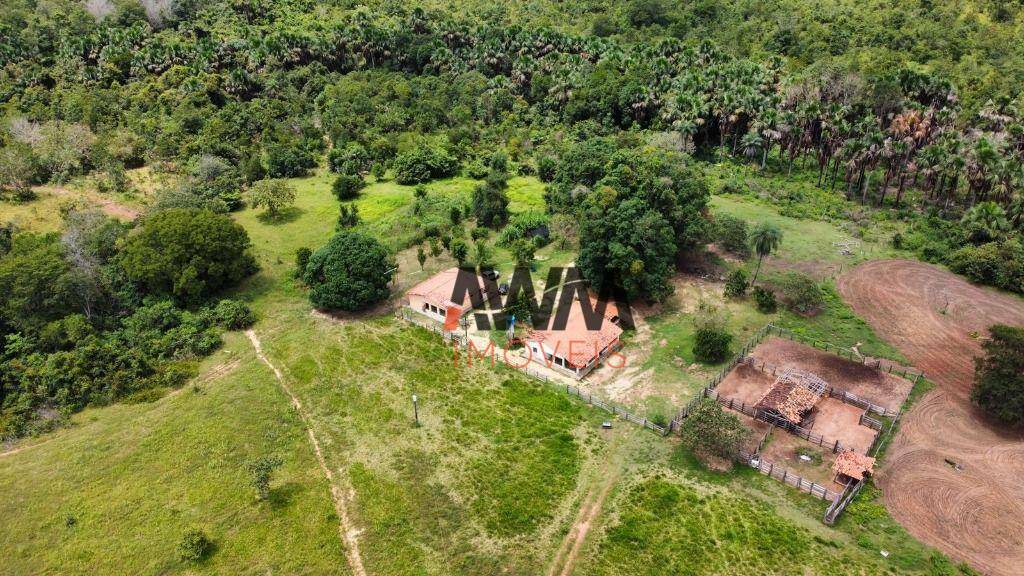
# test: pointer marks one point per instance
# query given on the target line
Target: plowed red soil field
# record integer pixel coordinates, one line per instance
(936, 319)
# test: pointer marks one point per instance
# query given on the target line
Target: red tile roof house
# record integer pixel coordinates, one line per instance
(433, 296)
(576, 350)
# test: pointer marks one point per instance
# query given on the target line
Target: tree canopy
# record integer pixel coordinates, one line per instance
(188, 254)
(351, 272)
(999, 375)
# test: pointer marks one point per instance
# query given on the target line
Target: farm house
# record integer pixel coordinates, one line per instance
(577, 349)
(433, 296)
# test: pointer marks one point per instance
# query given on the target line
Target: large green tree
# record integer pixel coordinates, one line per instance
(644, 210)
(351, 272)
(999, 375)
(188, 254)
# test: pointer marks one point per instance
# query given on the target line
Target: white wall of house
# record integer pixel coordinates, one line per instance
(427, 308)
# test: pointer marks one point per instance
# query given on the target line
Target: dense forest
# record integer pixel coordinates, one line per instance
(913, 108)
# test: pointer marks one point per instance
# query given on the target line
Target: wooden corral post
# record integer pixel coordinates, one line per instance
(835, 448)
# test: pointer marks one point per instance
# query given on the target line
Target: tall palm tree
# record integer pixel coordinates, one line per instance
(986, 221)
(766, 238)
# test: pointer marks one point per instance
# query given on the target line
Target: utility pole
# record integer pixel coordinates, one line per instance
(415, 410)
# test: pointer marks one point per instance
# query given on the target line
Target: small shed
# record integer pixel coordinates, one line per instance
(851, 466)
(793, 395)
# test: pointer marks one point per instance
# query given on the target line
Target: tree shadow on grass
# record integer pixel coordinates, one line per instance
(282, 496)
(284, 216)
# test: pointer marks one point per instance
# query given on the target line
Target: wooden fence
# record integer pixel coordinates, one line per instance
(889, 366)
(786, 477)
(456, 338)
(842, 501)
(830, 391)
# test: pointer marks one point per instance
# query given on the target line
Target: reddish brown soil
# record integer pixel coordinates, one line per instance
(873, 385)
(782, 450)
(745, 384)
(836, 420)
(973, 514)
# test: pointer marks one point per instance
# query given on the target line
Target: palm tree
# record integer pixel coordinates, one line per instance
(766, 238)
(986, 221)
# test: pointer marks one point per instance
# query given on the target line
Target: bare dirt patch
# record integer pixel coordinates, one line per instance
(836, 420)
(931, 316)
(867, 382)
(745, 384)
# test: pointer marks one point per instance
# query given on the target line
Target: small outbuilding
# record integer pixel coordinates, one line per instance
(852, 466)
(790, 398)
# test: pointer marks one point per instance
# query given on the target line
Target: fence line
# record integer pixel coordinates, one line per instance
(830, 391)
(786, 477)
(892, 367)
(455, 338)
(842, 501)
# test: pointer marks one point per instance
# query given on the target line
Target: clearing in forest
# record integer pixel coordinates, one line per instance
(936, 319)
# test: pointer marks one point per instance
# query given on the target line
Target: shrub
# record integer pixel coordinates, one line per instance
(731, 233)
(996, 264)
(999, 375)
(301, 259)
(351, 272)
(351, 159)
(423, 164)
(709, 429)
(347, 186)
(801, 293)
(459, 250)
(479, 233)
(710, 345)
(736, 285)
(348, 216)
(234, 315)
(274, 195)
(260, 472)
(524, 225)
(194, 545)
(764, 299)
(289, 160)
(546, 168)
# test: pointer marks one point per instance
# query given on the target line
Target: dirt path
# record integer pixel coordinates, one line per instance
(564, 562)
(109, 206)
(348, 532)
(934, 318)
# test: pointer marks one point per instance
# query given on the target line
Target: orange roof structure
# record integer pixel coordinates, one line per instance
(576, 343)
(789, 399)
(440, 288)
(854, 465)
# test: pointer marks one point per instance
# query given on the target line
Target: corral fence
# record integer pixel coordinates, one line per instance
(455, 338)
(889, 366)
(842, 501)
(830, 391)
(786, 477)
(776, 422)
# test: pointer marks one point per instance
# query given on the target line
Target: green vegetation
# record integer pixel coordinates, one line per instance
(709, 430)
(351, 272)
(999, 377)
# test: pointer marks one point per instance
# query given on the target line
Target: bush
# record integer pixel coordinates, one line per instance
(524, 225)
(194, 545)
(737, 284)
(274, 195)
(301, 259)
(347, 186)
(709, 429)
(234, 315)
(731, 233)
(711, 346)
(996, 264)
(424, 164)
(764, 299)
(546, 168)
(289, 160)
(999, 375)
(801, 293)
(352, 159)
(350, 273)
